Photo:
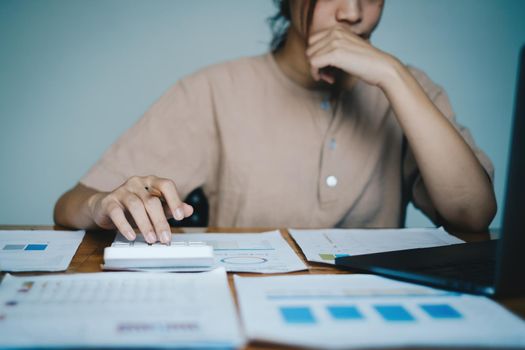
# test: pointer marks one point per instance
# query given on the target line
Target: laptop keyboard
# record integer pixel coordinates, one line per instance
(480, 272)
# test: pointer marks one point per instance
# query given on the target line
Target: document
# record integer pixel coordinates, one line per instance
(38, 250)
(239, 252)
(325, 245)
(366, 311)
(119, 309)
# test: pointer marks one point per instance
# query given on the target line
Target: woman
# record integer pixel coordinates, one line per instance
(326, 130)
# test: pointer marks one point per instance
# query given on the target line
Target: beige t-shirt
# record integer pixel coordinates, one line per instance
(269, 152)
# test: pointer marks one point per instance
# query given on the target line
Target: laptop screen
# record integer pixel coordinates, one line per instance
(511, 255)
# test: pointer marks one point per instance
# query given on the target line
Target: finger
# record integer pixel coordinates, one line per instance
(329, 58)
(167, 211)
(343, 43)
(319, 35)
(170, 194)
(155, 212)
(338, 34)
(335, 32)
(116, 214)
(329, 43)
(315, 73)
(348, 42)
(327, 76)
(188, 210)
(327, 65)
(319, 72)
(318, 45)
(135, 206)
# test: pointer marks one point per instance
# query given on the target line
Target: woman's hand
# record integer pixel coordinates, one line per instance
(454, 178)
(147, 201)
(338, 47)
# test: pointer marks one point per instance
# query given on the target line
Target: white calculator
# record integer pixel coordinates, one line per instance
(124, 254)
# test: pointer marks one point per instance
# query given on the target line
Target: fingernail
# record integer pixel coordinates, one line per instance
(131, 235)
(179, 215)
(151, 237)
(166, 236)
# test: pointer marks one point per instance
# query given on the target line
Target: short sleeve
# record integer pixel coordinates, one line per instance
(175, 139)
(415, 190)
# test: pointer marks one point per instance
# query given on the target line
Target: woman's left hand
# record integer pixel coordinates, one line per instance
(339, 47)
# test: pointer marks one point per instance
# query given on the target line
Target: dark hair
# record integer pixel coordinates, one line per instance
(280, 22)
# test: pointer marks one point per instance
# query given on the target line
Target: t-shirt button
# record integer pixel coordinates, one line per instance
(332, 144)
(325, 104)
(331, 181)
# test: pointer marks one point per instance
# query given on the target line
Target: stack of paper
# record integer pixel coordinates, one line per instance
(38, 250)
(325, 245)
(365, 311)
(119, 309)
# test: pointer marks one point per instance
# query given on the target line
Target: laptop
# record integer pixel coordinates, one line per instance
(493, 268)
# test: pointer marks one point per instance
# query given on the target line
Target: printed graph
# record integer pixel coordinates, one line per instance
(387, 313)
(26, 247)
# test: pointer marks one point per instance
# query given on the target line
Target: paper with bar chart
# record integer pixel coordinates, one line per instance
(265, 252)
(119, 309)
(366, 311)
(38, 250)
(325, 245)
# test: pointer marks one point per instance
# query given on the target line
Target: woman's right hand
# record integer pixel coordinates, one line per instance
(146, 201)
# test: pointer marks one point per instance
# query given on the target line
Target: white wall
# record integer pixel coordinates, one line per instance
(74, 74)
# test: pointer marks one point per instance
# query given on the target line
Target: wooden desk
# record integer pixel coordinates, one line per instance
(89, 257)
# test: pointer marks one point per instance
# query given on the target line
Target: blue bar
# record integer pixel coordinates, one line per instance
(441, 311)
(36, 247)
(394, 313)
(345, 312)
(301, 315)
